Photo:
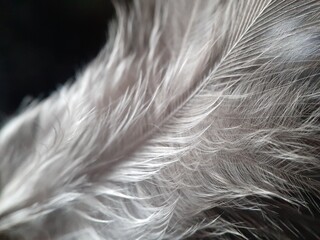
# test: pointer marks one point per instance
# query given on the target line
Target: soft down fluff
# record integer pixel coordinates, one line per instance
(198, 120)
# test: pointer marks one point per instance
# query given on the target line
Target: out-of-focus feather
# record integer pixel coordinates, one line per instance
(198, 119)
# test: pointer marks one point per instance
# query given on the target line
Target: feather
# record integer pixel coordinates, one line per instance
(198, 119)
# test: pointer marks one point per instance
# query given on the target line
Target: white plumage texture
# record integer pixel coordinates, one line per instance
(198, 120)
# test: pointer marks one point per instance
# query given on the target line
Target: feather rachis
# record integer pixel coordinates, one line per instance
(190, 123)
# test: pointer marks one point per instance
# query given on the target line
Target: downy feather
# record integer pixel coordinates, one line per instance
(198, 119)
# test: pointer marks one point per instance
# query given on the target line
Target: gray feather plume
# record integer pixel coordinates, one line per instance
(198, 120)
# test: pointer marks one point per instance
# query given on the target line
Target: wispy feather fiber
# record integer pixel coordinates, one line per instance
(198, 120)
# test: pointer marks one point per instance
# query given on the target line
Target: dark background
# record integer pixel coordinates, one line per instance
(43, 44)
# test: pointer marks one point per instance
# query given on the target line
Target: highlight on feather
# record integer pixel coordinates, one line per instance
(198, 120)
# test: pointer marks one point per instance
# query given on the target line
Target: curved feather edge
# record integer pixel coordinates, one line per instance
(199, 119)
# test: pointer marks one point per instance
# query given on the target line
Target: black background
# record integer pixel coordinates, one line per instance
(44, 43)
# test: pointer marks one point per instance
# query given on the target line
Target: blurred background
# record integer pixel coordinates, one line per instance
(44, 43)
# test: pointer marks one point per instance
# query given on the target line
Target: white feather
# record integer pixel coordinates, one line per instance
(198, 119)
